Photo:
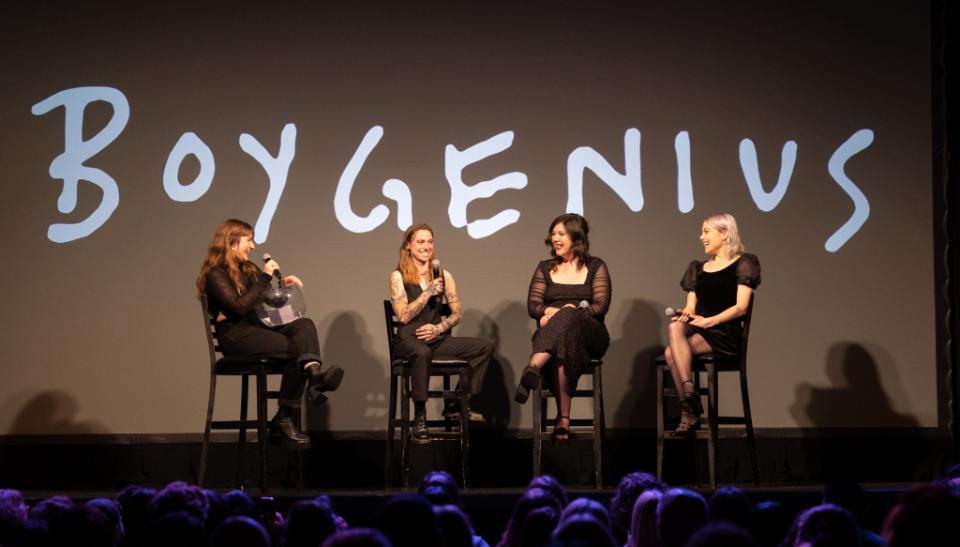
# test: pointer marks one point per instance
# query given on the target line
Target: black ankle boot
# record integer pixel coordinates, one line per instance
(528, 381)
(419, 432)
(322, 377)
(284, 427)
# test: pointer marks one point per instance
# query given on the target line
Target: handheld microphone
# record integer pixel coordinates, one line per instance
(268, 258)
(437, 272)
(583, 305)
(670, 312)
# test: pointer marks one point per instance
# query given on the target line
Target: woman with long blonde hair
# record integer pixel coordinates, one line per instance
(233, 287)
(424, 333)
(718, 294)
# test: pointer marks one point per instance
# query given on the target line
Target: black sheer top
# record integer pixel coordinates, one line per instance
(596, 290)
(222, 296)
(717, 291)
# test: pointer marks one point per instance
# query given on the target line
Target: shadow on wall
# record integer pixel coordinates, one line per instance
(855, 396)
(631, 356)
(855, 400)
(50, 413)
(495, 400)
(347, 343)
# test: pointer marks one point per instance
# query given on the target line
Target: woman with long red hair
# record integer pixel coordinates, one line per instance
(233, 287)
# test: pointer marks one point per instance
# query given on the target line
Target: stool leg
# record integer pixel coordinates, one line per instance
(661, 370)
(300, 425)
(242, 444)
(537, 427)
(299, 471)
(205, 450)
(598, 426)
(404, 427)
(391, 430)
(712, 406)
(748, 423)
(464, 396)
(262, 426)
(447, 426)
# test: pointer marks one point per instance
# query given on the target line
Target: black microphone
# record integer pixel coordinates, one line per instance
(436, 275)
(268, 258)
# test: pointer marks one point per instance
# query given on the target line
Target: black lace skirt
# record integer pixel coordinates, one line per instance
(572, 337)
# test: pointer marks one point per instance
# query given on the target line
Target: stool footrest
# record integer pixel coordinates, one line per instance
(233, 424)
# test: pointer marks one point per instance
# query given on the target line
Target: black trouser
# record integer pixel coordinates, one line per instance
(297, 340)
(476, 351)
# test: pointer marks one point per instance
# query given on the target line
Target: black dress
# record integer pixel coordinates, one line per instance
(573, 335)
(716, 292)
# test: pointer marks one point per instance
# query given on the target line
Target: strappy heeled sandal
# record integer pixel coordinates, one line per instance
(689, 405)
(561, 434)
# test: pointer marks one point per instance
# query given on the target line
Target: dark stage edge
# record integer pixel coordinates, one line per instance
(499, 459)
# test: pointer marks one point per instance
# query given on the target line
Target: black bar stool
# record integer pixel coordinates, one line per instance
(598, 423)
(711, 367)
(458, 430)
(258, 367)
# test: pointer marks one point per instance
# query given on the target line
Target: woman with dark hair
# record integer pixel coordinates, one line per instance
(532, 499)
(583, 529)
(630, 488)
(569, 297)
(233, 287)
(424, 332)
(718, 293)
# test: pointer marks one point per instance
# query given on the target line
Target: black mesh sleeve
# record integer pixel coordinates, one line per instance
(602, 289)
(221, 290)
(538, 287)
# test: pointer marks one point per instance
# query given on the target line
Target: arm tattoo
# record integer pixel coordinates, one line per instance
(398, 296)
(456, 312)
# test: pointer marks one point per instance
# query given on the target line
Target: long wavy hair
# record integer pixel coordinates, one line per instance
(407, 266)
(724, 222)
(578, 230)
(221, 253)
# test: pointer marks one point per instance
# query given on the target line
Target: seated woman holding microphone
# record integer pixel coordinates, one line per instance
(718, 293)
(234, 286)
(423, 334)
(569, 296)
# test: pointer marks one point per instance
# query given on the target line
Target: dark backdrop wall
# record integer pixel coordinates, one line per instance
(130, 132)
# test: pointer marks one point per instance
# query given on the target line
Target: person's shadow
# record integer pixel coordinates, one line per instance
(630, 377)
(855, 396)
(366, 379)
(855, 399)
(51, 413)
(508, 328)
(631, 374)
(56, 413)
